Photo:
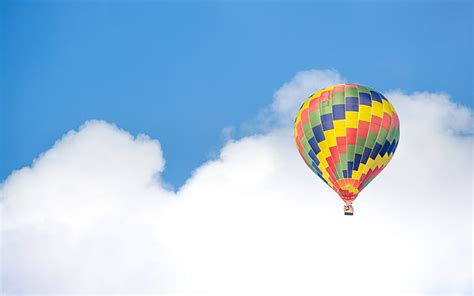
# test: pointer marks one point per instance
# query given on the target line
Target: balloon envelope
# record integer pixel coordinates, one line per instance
(347, 134)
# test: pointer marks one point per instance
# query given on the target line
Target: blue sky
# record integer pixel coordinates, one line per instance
(181, 72)
(252, 217)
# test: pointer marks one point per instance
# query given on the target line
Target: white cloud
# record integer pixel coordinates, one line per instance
(288, 99)
(90, 216)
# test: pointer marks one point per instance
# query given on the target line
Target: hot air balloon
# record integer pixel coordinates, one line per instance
(347, 134)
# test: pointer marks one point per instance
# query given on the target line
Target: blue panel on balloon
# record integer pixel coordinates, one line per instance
(365, 99)
(376, 96)
(318, 133)
(385, 147)
(314, 145)
(327, 122)
(376, 150)
(338, 112)
(366, 155)
(352, 104)
(357, 158)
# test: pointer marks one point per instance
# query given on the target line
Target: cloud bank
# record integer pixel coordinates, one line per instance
(91, 215)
